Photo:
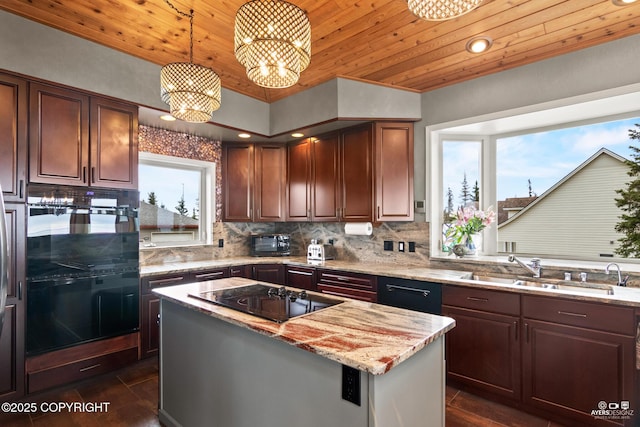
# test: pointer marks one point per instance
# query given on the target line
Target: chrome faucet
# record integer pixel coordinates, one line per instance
(621, 281)
(534, 268)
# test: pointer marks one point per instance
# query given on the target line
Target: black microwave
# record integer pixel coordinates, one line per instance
(270, 245)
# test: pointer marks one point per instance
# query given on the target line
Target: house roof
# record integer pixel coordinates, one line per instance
(601, 152)
(379, 42)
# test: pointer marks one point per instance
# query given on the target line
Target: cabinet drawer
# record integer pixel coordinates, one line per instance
(149, 283)
(301, 277)
(481, 299)
(47, 378)
(348, 293)
(357, 281)
(218, 273)
(580, 313)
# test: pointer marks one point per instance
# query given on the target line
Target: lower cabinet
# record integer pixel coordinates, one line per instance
(350, 285)
(216, 273)
(483, 350)
(300, 277)
(271, 273)
(577, 355)
(557, 357)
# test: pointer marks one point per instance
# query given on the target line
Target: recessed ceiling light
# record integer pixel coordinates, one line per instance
(167, 118)
(479, 44)
(297, 135)
(244, 135)
(622, 2)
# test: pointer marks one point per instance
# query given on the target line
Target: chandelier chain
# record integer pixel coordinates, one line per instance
(190, 16)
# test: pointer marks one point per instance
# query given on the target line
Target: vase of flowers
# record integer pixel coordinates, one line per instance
(465, 230)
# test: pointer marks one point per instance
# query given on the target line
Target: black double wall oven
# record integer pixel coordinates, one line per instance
(82, 266)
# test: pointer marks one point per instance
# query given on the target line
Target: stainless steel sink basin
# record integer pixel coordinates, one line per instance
(563, 285)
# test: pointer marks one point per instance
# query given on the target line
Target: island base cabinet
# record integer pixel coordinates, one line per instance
(570, 371)
(216, 373)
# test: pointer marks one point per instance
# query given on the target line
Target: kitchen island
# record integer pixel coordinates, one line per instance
(351, 364)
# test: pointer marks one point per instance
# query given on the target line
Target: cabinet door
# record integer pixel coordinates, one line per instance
(270, 185)
(483, 350)
(568, 370)
(239, 271)
(149, 326)
(13, 137)
(325, 191)
(13, 331)
(114, 144)
(356, 174)
(298, 181)
(58, 135)
(301, 277)
(394, 171)
(237, 186)
(270, 273)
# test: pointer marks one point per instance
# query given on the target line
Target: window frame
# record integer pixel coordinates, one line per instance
(207, 196)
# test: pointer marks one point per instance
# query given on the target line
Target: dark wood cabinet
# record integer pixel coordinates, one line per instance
(114, 144)
(150, 310)
(483, 350)
(351, 285)
(13, 137)
(13, 331)
(211, 274)
(253, 182)
(356, 174)
(76, 139)
(577, 354)
(299, 181)
(325, 178)
(394, 171)
(300, 277)
(239, 271)
(270, 273)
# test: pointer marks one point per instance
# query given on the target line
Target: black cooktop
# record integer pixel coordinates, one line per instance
(269, 302)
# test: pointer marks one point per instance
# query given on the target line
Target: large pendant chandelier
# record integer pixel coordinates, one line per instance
(191, 90)
(273, 42)
(441, 10)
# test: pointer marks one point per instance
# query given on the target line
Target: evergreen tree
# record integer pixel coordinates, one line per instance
(476, 192)
(449, 211)
(194, 215)
(629, 203)
(181, 208)
(151, 198)
(531, 193)
(465, 193)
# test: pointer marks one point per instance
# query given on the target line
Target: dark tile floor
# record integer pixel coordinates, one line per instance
(132, 394)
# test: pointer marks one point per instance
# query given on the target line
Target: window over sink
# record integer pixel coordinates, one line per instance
(553, 187)
(176, 200)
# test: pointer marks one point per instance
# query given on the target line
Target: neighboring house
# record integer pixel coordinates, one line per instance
(576, 216)
(511, 206)
(160, 224)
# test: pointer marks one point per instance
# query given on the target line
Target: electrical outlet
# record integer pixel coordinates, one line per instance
(351, 384)
(400, 246)
(331, 241)
(388, 245)
(221, 243)
(412, 246)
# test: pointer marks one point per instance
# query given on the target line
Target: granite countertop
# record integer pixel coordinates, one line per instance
(366, 336)
(622, 295)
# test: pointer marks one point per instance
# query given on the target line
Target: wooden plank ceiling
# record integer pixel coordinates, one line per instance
(377, 41)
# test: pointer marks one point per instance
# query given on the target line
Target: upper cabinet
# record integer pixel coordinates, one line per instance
(356, 172)
(253, 182)
(13, 137)
(394, 171)
(76, 139)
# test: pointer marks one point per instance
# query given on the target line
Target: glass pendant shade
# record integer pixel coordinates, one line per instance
(273, 42)
(192, 91)
(441, 10)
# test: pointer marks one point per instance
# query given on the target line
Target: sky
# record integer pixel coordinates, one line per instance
(168, 184)
(544, 158)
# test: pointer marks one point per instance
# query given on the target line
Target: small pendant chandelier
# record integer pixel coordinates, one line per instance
(273, 42)
(191, 90)
(441, 10)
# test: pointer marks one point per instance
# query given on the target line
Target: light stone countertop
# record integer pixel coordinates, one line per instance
(622, 295)
(369, 337)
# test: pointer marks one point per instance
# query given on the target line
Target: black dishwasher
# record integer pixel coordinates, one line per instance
(410, 294)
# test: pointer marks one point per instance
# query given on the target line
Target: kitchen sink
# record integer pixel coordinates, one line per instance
(562, 285)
